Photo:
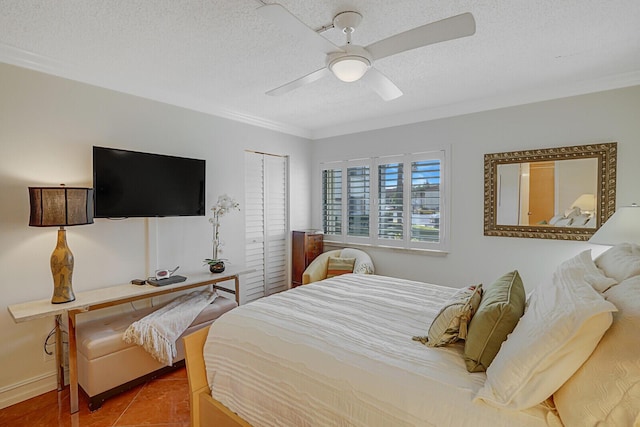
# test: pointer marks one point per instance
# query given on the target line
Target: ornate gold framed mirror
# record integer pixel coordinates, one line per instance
(563, 193)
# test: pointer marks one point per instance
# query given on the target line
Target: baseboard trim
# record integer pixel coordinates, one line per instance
(23, 390)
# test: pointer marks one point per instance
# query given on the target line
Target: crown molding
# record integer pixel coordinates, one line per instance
(511, 100)
(33, 61)
(23, 58)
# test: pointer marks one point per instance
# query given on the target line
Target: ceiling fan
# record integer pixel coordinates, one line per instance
(352, 62)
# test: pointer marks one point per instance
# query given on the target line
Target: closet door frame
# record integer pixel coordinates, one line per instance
(268, 214)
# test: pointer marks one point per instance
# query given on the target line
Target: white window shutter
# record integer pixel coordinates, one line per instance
(332, 201)
(391, 201)
(358, 201)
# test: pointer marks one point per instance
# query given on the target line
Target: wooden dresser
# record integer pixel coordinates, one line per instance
(306, 246)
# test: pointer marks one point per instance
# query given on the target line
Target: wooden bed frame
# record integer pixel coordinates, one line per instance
(205, 410)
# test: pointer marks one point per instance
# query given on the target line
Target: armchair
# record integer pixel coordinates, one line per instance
(317, 270)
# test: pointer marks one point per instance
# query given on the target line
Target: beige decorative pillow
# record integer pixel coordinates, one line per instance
(452, 321)
(605, 391)
(337, 266)
(500, 310)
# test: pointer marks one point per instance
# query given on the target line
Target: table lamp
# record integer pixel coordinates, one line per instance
(622, 227)
(61, 207)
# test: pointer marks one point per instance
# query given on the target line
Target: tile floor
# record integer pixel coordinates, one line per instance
(163, 402)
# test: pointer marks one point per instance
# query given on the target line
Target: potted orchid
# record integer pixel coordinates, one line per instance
(223, 205)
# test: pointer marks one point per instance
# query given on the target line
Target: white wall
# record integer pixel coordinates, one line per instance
(473, 258)
(47, 128)
(573, 179)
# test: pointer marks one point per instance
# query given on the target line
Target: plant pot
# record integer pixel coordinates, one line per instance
(217, 267)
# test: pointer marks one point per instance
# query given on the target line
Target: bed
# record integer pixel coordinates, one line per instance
(340, 352)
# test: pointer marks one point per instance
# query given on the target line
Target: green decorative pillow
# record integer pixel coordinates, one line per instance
(337, 266)
(500, 310)
(452, 321)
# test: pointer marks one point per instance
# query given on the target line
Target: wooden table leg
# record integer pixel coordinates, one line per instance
(237, 280)
(73, 363)
(59, 353)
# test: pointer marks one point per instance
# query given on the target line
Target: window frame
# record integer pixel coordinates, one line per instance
(442, 245)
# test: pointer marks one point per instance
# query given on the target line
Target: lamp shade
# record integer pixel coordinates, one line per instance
(586, 202)
(60, 206)
(622, 227)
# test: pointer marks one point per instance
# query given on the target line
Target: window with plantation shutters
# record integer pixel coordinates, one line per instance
(358, 201)
(332, 201)
(391, 201)
(396, 201)
(425, 200)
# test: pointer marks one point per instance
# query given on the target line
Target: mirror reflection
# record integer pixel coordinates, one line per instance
(560, 193)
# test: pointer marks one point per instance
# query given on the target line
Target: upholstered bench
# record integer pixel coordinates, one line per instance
(107, 365)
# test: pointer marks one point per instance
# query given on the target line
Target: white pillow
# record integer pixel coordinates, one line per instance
(621, 261)
(570, 213)
(555, 219)
(613, 367)
(563, 222)
(592, 274)
(580, 220)
(557, 333)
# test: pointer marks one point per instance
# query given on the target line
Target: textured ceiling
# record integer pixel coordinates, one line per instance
(220, 56)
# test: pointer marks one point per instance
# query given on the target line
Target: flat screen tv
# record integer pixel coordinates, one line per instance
(134, 184)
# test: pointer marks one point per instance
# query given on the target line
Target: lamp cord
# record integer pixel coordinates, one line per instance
(47, 343)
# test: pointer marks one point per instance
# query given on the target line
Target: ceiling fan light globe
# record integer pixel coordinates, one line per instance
(349, 68)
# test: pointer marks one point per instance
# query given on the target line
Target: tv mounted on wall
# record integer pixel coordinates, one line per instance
(134, 184)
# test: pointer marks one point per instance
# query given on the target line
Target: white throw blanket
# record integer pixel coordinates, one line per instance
(157, 332)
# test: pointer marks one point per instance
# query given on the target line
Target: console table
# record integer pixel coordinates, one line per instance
(107, 297)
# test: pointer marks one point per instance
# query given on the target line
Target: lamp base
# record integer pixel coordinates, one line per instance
(62, 270)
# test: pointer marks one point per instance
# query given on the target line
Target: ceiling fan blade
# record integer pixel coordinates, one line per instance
(381, 84)
(309, 78)
(283, 18)
(447, 29)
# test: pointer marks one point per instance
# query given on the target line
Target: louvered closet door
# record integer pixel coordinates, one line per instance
(253, 284)
(266, 224)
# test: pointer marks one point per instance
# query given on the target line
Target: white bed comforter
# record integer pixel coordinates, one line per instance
(339, 353)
